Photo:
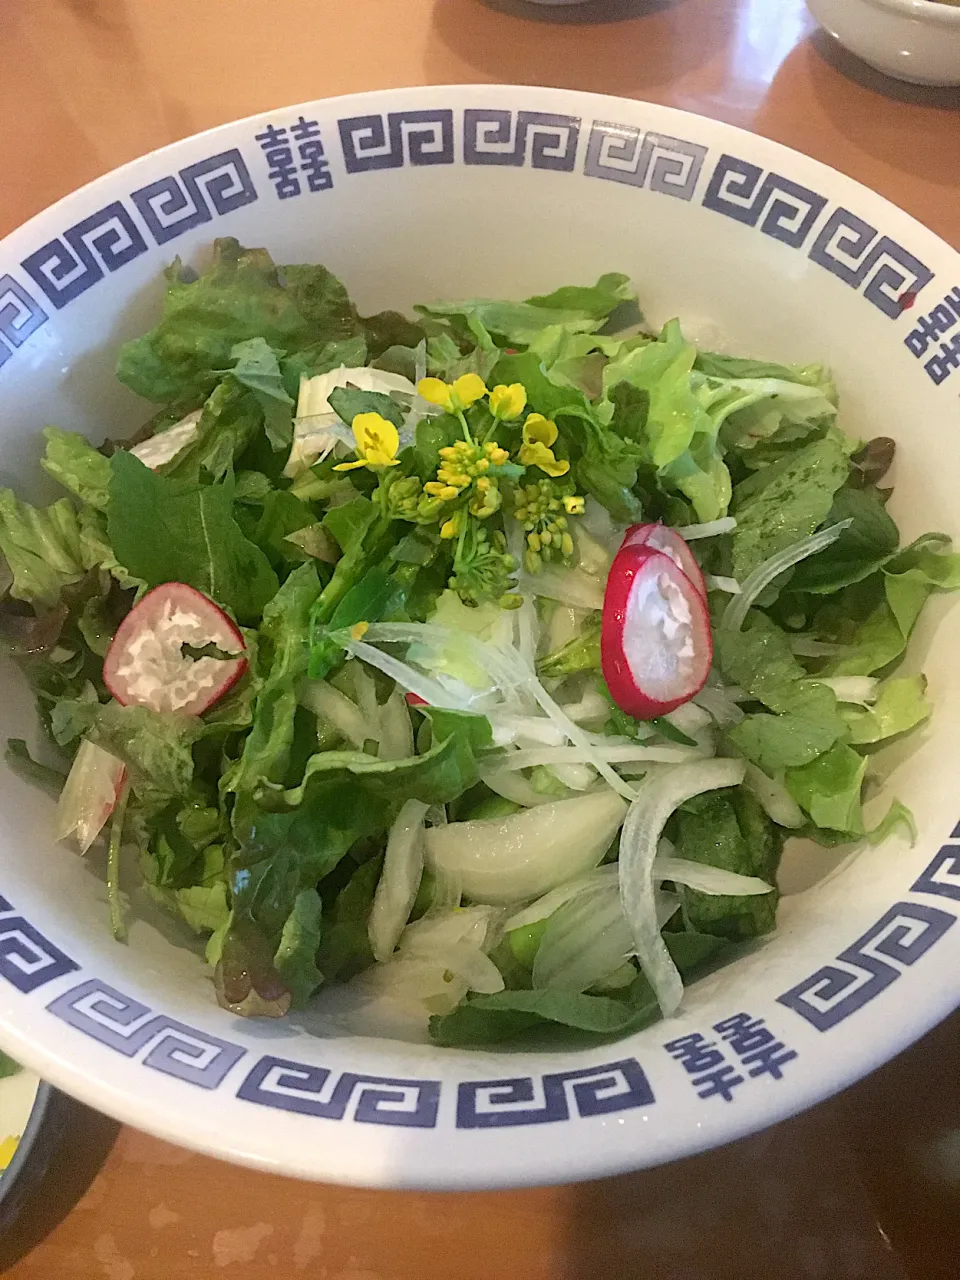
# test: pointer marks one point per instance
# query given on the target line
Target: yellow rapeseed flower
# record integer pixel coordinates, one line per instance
(539, 433)
(573, 504)
(377, 443)
(508, 402)
(467, 390)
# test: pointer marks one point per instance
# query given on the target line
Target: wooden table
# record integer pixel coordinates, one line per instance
(866, 1185)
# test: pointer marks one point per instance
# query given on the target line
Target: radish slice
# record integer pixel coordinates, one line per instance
(660, 537)
(146, 665)
(89, 794)
(655, 642)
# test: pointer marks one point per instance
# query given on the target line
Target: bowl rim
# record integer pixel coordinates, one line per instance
(931, 12)
(589, 1161)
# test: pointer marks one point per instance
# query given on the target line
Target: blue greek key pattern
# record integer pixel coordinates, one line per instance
(179, 202)
(858, 255)
(20, 316)
(871, 964)
(28, 960)
(743, 191)
(624, 153)
(129, 1027)
(67, 267)
(417, 137)
(316, 1091)
(942, 876)
(591, 1091)
(493, 136)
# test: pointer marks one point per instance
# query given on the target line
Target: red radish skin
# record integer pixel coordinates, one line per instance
(655, 641)
(414, 700)
(145, 664)
(660, 537)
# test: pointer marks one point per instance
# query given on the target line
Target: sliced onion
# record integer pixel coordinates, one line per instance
(431, 691)
(165, 445)
(774, 798)
(690, 532)
(765, 573)
(585, 941)
(716, 582)
(593, 706)
(720, 705)
(706, 879)
(569, 586)
(552, 756)
(332, 705)
(689, 718)
(642, 828)
(531, 730)
(89, 794)
(399, 880)
(524, 855)
(550, 902)
(515, 787)
(862, 690)
(396, 731)
(578, 777)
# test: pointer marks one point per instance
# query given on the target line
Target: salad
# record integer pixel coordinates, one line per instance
(477, 664)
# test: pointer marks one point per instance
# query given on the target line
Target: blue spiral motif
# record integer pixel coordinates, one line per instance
(313, 1091)
(624, 153)
(423, 137)
(871, 964)
(850, 248)
(740, 190)
(942, 876)
(177, 203)
(594, 1091)
(105, 241)
(495, 136)
(20, 316)
(28, 960)
(128, 1027)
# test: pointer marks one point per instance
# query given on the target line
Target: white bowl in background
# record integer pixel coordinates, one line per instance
(504, 191)
(915, 40)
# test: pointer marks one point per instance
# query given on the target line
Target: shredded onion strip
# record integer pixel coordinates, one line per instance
(641, 833)
(758, 581)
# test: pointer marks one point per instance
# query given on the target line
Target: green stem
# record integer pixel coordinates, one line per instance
(349, 570)
(466, 430)
(117, 924)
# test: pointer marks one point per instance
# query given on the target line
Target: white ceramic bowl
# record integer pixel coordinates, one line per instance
(915, 40)
(502, 191)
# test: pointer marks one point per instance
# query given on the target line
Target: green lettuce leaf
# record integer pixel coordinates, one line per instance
(597, 300)
(807, 723)
(167, 530)
(906, 582)
(345, 943)
(863, 547)
(829, 787)
(791, 501)
(728, 829)
(519, 323)
(499, 1018)
(296, 958)
(257, 368)
(41, 546)
(73, 462)
(156, 748)
(241, 296)
(900, 707)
